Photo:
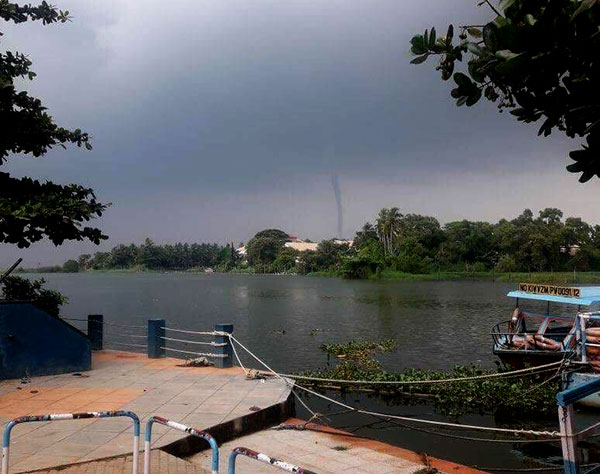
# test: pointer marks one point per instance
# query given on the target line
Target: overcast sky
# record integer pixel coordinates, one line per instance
(214, 119)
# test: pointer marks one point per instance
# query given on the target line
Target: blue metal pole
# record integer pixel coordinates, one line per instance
(223, 347)
(156, 333)
(231, 466)
(96, 331)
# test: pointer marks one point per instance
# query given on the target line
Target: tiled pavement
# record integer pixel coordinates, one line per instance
(161, 462)
(327, 451)
(201, 397)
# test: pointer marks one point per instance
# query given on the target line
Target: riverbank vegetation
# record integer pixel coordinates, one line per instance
(544, 248)
(22, 289)
(528, 395)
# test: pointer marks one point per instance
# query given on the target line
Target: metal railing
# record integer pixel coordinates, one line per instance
(163, 339)
(180, 343)
(180, 427)
(156, 341)
(282, 465)
(502, 334)
(71, 416)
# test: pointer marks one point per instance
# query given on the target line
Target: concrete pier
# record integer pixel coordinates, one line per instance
(203, 397)
(235, 410)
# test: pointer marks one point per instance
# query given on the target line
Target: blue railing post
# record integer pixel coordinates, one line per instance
(156, 333)
(223, 346)
(96, 331)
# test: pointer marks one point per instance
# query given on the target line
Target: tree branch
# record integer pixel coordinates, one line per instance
(491, 6)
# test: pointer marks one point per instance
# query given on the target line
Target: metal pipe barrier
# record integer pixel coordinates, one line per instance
(284, 466)
(71, 416)
(180, 427)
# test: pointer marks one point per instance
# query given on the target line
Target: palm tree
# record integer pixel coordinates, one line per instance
(388, 227)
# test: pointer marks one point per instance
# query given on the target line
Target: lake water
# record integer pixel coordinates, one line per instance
(436, 324)
(284, 320)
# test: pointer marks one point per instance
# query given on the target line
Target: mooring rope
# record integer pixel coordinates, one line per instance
(286, 381)
(200, 333)
(550, 434)
(513, 373)
(201, 343)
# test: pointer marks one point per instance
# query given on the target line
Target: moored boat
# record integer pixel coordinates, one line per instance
(562, 331)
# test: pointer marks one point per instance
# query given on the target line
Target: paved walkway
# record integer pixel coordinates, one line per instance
(201, 397)
(327, 451)
(161, 462)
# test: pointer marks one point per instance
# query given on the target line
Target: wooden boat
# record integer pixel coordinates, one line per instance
(531, 339)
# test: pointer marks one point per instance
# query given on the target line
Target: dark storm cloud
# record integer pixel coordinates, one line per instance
(214, 119)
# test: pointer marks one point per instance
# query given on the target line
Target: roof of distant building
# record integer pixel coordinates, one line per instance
(302, 246)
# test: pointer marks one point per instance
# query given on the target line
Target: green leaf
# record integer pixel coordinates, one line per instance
(450, 34)
(490, 36)
(462, 101)
(475, 49)
(585, 5)
(506, 54)
(462, 80)
(420, 59)
(513, 64)
(432, 38)
(418, 45)
(530, 19)
(586, 176)
(474, 97)
(504, 4)
(475, 32)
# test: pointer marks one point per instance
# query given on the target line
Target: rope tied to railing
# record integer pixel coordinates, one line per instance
(200, 333)
(184, 341)
(549, 434)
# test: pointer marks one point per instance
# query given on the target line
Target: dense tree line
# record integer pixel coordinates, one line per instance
(419, 244)
(150, 256)
(409, 243)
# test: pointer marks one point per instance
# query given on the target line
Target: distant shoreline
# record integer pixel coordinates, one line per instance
(389, 275)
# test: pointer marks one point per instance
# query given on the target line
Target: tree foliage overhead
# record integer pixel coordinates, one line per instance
(538, 59)
(31, 210)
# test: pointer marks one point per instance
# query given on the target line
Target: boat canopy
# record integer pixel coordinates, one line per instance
(579, 295)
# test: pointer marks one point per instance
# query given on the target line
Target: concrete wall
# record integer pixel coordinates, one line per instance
(34, 343)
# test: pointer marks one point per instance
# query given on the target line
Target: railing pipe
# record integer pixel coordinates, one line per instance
(582, 323)
(180, 427)
(71, 416)
(284, 466)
